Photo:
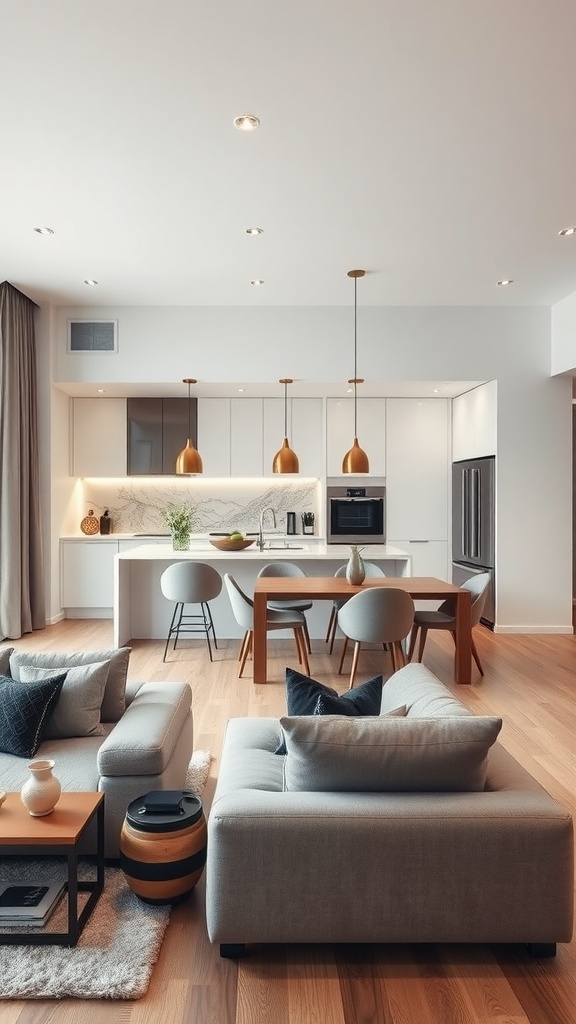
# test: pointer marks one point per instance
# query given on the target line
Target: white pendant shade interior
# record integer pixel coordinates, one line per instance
(189, 462)
(285, 460)
(355, 460)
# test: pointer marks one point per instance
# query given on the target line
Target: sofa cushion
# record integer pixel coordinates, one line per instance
(77, 713)
(327, 705)
(5, 653)
(387, 754)
(114, 701)
(24, 711)
(422, 693)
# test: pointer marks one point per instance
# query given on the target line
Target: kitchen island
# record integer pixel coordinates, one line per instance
(142, 612)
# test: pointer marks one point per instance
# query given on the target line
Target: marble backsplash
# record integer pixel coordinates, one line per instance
(135, 505)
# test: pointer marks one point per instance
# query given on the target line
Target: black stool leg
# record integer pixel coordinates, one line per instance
(170, 631)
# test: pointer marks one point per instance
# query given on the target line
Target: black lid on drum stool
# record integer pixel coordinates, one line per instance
(164, 811)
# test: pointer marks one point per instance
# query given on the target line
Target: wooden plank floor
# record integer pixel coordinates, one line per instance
(529, 680)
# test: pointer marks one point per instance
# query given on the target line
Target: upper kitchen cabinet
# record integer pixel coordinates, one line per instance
(98, 437)
(305, 433)
(246, 437)
(417, 469)
(214, 435)
(474, 423)
(157, 433)
(371, 432)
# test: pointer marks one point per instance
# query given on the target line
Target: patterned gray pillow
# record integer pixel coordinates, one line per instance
(114, 702)
(24, 711)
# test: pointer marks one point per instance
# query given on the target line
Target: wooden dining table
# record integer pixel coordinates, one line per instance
(337, 588)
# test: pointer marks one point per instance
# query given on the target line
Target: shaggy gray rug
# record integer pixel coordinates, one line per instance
(118, 948)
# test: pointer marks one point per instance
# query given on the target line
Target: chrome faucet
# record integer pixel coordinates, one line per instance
(260, 534)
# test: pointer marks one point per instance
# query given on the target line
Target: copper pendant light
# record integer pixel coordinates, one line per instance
(355, 460)
(189, 462)
(285, 460)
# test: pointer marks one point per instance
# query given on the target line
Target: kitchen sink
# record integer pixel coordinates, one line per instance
(283, 547)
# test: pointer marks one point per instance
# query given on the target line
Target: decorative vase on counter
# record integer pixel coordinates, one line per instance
(181, 541)
(41, 792)
(355, 571)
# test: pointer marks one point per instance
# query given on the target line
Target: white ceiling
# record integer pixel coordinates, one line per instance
(299, 389)
(430, 142)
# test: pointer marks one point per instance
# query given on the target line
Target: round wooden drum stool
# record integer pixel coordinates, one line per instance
(163, 845)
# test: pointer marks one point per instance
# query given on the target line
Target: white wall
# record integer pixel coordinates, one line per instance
(564, 335)
(512, 345)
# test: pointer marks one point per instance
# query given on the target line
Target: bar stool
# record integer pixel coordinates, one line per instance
(191, 583)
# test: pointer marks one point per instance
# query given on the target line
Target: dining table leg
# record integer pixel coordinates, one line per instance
(259, 653)
(463, 655)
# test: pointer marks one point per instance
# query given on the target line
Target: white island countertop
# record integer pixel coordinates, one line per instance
(292, 551)
(141, 612)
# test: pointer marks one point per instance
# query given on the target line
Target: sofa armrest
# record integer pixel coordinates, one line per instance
(143, 741)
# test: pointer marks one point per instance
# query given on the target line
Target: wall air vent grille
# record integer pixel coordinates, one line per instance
(92, 335)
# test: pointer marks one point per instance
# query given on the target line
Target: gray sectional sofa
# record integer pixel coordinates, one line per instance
(412, 829)
(137, 737)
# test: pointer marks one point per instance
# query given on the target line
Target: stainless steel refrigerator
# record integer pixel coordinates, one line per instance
(473, 489)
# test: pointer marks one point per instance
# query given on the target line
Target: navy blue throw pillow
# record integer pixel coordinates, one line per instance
(305, 696)
(24, 712)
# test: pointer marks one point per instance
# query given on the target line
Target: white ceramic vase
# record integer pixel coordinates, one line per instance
(355, 572)
(41, 792)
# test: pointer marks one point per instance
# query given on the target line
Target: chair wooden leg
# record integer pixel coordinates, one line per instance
(354, 664)
(475, 655)
(333, 633)
(247, 647)
(413, 636)
(330, 622)
(344, 646)
(302, 648)
(245, 639)
(398, 653)
(423, 634)
(307, 635)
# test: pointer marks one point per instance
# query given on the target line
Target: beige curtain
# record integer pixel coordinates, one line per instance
(21, 564)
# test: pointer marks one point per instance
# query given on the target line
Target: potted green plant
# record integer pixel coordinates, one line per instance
(179, 519)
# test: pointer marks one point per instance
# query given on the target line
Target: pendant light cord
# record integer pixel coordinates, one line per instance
(286, 409)
(189, 416)
(355, 360)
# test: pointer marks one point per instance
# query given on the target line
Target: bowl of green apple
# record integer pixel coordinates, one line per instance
(235, 541)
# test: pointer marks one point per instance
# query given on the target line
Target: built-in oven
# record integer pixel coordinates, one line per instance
(355, 515)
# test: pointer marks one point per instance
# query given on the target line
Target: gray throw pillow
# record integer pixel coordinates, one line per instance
(114, 702)
(387, 754)
(77, 712)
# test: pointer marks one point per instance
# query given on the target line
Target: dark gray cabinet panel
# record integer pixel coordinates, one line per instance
(157, 432)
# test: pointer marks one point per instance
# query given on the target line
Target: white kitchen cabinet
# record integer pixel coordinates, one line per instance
(87, 574)
(417, 469)
(305, 433)
(214, 435)
(429, 557)
(340, 432)
(99, 437)
(474, 422)
(246, 437)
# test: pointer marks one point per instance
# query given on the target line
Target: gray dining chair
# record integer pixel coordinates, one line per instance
(243, 609)
(380, 615)
(288, 569)
(445, 617)
(191, 583)
(372, 571)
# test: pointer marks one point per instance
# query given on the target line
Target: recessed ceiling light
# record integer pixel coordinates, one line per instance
(257, 282)
(504, 281)
(435, 391)
(254, 231)
(100, 391)
(568, 231)
(90, 282)
(44, 231)
(241, 390)
(246, 122)
(348, 391)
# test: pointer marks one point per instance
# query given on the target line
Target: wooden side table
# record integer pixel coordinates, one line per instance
(55, 835)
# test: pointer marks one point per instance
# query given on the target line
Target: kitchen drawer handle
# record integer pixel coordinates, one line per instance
(418, 541)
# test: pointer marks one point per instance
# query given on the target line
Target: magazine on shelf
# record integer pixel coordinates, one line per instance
(22, 903)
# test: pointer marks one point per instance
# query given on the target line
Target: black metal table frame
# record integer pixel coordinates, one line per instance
(76, 921)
